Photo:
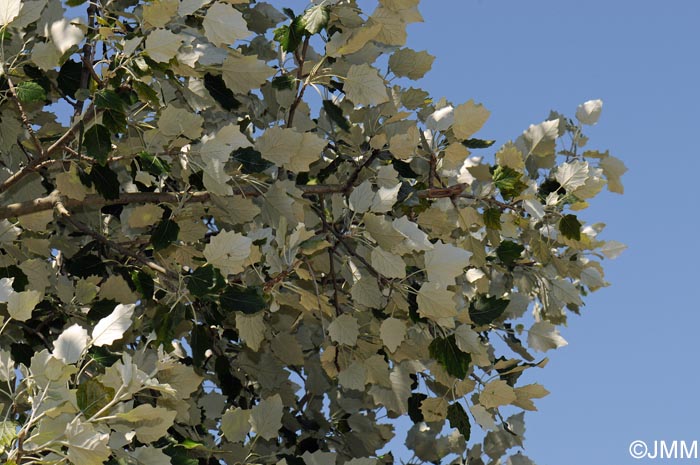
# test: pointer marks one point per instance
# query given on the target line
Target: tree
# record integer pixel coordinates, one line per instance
(229, 237)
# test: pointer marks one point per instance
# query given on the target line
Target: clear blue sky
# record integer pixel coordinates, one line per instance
(630, 370)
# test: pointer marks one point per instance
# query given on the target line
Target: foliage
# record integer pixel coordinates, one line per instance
(227, 235)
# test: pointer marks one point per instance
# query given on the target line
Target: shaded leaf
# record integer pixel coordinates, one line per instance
(92, 396)
(214, 83)
(246, 300)
(492, 218)
(453, 360)
(459, 419)
(570, 227)
(164, 234)
(98, 143)
(509, 251)
(484, 310)
(205, 280)
(336, 115)
(105, 181)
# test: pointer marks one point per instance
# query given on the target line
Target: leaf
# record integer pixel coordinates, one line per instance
(21, 304)
(459, 419)
(30, 91)
(335, 114)
(224, 25)
(525, 394)
(245, 300)
(6, 289)
(92, 396)
(144, 283)
(435, 302)
(85, 445)
(344, 330)
(150, 423)
(468, 119)
(235, 424)
(508, 181)
(447, 354)
(70, 344)
(243, 73)
(162, 45)
(251, 328)
(411, 64)
(484, 310)
(8, 434)
(227, 251)
(251, 160)
(445, 262)
(434, 409)
(316, 18)
(205, 280)
(266, 417)
(216, 86)
(290, 149)
(388, 264)
(570, 227)
(113, 326)
(290, 36)
(544, 336)
(572, 175)
(98, 143)
(364, 86)
(492, 218)
(478, 143)
(105, 181)
(508, 252)
(393, 333)
(589, 112)
(164, 234)
(9, 10)
(154, 165)
(496, 393)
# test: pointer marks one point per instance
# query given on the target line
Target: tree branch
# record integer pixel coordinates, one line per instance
(62, 211)
(24, 118)
(300, 89)
(97, 201)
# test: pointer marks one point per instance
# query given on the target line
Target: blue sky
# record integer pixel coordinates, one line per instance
(629, 372)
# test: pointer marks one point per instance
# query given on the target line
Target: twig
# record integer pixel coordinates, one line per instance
(350, 183)
(300, 89)
(62, 211)
(25, 119)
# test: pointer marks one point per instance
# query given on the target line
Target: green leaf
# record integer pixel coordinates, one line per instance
(190, 444)
(8, 434)
(251, 160)
(92, 396)
(508, 181)
(484, 310)
(336, 115)
(75, 2)
(478, 143)
(144, 283)
(509, 251)
(492, 218)
(290, 37)
(30, 91)
(98, 143)
(284, 81)
(459, 419)
(214, 83)
(205, 280)
(108, 100)
(105, 181)
(104, 356)
(164, 234)
(153, 164)
(247, 300)
(447, 354)
(570, 227)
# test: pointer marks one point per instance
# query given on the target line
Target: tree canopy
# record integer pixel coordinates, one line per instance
(236, 234)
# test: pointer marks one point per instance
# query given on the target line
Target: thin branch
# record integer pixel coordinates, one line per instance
(25, 119)
(300, 89)
(62, 211)
(66, 138)
(350, 183)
